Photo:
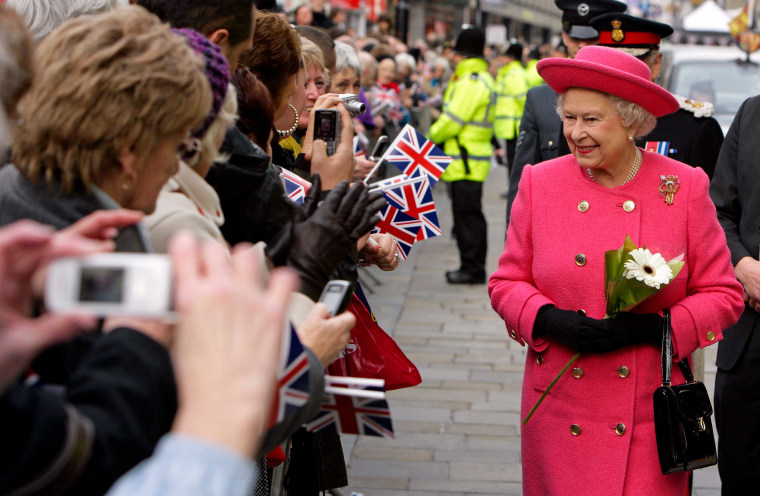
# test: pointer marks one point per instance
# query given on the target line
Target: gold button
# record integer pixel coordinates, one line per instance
(581, 312)
(623, 371)
(629, 205)
(710, 335)
(577, 372)
(540, 359)
(620, 429)
(583, 206)
(575, 430)
(580, 259)
(550, 143)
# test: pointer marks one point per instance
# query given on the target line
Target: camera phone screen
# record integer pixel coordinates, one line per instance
(103, 285)
(324, 125)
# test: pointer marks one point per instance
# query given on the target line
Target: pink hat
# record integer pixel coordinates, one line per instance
(610, 71)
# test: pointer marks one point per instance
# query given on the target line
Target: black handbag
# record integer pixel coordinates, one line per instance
(682, 424)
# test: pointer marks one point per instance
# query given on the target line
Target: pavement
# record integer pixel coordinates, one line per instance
(457, 433)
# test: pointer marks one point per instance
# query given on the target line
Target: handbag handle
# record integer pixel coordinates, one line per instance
(667, 354)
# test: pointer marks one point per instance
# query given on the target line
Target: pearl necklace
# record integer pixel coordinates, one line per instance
(631, 174)
(295, 124)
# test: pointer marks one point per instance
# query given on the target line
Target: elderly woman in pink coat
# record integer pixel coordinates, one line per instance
(594, 432)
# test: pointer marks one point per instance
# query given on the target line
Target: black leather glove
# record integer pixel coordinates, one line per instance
(278, 247)
(589, 335)
(314, 245)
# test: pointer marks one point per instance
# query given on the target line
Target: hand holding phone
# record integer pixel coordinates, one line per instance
(336, 296)
(379, 148)
(112, 284)
(327, 128)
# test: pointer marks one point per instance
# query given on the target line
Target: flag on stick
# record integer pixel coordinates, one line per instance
(296, 187)
(292, 390)
(351, 413)
(414, 154)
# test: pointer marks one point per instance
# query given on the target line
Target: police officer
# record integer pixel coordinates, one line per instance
(541, 135)
(511, 89)
(465, 128)
(690, 135)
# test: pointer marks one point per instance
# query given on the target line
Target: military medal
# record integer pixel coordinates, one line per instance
(669, 187)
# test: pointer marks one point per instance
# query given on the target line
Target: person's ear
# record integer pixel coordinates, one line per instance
(656, 66)
(220, 37)
(127, 160)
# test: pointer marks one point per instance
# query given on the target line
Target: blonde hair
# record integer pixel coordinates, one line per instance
(224, 119)
(117, 81)
(312, 55)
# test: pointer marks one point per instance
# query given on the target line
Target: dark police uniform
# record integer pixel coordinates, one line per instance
(690, 135)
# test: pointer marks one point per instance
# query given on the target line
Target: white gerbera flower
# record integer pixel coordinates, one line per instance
(650, 268)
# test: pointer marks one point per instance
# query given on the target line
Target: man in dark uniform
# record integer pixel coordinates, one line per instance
(735, 190)
(541, 135)
(690, 135)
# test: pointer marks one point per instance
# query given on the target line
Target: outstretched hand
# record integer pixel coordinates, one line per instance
(317, 244)
(227, 341)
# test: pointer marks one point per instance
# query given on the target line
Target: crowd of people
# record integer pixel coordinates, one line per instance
(167, 126)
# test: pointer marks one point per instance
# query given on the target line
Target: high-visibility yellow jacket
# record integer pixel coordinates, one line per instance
(531, 74)
(468, 116)
(511, 88)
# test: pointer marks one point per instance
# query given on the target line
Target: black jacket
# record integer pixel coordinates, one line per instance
(735, 190)
(250, 191)
(109, 416)
(115, 396)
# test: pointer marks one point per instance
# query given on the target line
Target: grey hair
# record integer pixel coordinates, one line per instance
(631, 114)
(346, 58)
(406, 59)
(649, 54)
(442, 62)
(224, 120)
(43, 16)
(368, 62)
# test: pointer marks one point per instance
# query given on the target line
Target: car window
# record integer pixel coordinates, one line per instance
(724, 83)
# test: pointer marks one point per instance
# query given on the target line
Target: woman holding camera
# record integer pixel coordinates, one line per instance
(97, 131)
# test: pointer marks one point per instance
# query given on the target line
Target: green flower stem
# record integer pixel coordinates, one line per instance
(551, 385)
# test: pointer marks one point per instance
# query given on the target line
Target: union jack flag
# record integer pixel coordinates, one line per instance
(359, 145)
(388, 103)
(296, 187)
(414, 154)
(661, 147)
(292, 377)
(416, 200)
(403, 227)
(354, 415)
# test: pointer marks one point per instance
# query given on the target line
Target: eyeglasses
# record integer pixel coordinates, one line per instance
(189, 149)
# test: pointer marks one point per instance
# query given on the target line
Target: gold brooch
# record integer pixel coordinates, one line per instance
(669, 187)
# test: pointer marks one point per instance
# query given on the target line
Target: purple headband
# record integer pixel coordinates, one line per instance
(217, 72)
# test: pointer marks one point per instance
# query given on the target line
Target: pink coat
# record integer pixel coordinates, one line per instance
(609, 397)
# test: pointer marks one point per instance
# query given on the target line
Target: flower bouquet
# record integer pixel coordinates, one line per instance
(631, 275)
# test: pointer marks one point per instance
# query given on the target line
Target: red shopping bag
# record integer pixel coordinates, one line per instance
(371, 352)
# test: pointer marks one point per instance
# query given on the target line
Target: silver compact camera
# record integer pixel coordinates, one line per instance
(352, 103)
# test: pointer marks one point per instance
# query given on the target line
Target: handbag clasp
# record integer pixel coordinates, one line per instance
(701, 424)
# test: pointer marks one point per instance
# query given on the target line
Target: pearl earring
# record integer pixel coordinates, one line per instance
(630, 137)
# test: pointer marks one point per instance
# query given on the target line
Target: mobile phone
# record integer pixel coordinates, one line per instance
(336, 296)
(327, 128)
(112, 284)
(379, 148)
